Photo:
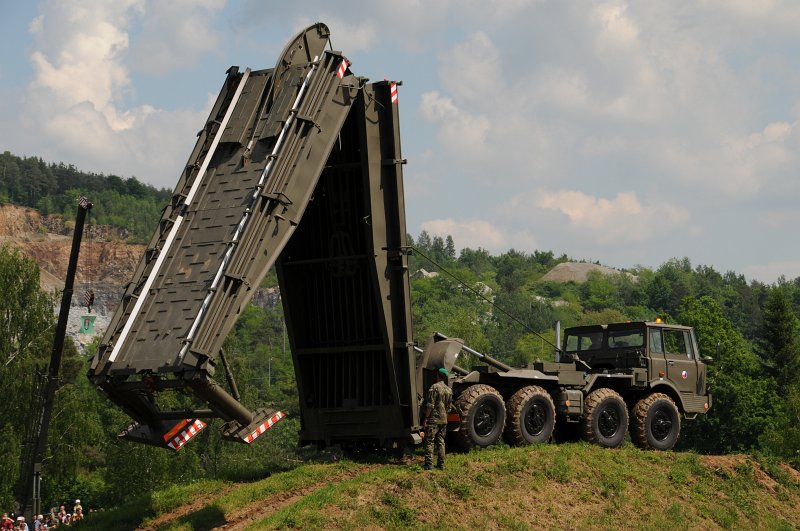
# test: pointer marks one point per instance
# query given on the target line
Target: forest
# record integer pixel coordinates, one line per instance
(54, 189)
(498, 304)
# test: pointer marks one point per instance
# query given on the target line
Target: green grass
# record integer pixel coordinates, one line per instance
(142, 508)
(542, 487)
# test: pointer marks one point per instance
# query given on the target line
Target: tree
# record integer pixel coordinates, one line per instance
(26, 317)
(599, 292)
(743, 398)
(449, 248)
(424, 241)
(478, 261)
(511, 268)
(783, 439)
(781, 345)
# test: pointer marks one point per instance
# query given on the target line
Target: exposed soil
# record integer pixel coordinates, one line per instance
(794, 474)
(197, 504)
(728, 464)
(103, 259)
(265, 507)
(579, 272)
(257, 510)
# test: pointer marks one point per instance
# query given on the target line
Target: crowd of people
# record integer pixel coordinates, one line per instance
(53, 520)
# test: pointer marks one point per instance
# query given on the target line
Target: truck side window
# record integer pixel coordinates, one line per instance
(689, 346)
(675, 343)
(625, 338)
(655, 341)
(580, 343)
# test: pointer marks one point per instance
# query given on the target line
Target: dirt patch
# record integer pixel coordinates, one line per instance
(271, 504)
(793, 473)
(20, 222)
(197, 504)
(254, 511)
(436, 500)
(729, 464)
(726, 463)
(579, 272)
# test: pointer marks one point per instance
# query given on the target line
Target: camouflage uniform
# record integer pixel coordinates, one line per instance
(440, 397)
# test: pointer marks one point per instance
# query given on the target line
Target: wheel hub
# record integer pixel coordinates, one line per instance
(485, 419)
(661, 425)
(609, 421)
(535, 419)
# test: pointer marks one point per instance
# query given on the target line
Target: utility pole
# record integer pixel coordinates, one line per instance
(31, 499)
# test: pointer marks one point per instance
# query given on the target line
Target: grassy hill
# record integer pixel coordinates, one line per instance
(568, 486)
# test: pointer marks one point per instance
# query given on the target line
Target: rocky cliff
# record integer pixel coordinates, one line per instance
(106, 264)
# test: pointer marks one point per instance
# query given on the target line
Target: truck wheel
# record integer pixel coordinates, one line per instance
(483, 415)
(656, 423)
(605, 418)
(530, 416)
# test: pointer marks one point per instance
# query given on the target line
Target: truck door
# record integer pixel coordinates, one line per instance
(658, 364)
(681, 365)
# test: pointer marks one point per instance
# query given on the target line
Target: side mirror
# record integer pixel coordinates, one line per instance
(708, 360)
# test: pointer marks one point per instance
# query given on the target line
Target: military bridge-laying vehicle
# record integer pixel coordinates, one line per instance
(641, 376)
(299, 167)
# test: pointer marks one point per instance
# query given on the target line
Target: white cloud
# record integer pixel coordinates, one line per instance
(470, 70)
(781, 219)
(460, 131)
(623, 219)
(347, 35)
(769, 272)
(175, 34)
(476, 233)
(75, 106)
(617, 26)
(79, 58)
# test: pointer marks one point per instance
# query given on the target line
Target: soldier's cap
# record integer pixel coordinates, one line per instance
(444, 372)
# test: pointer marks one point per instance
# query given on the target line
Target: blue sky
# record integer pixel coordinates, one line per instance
(624, 132)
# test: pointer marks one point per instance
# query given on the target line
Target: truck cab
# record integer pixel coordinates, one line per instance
(664, 357)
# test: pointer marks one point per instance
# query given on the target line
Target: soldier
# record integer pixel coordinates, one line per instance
(440, 397)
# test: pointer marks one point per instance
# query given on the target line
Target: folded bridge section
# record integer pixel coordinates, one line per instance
(298, 166)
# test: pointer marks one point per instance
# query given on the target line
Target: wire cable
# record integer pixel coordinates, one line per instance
(481, 296)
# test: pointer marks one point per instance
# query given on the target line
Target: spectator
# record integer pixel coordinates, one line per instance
(38, 523)
(21, 525)
(6, 523)
(77, 506)
(62, 513)
(78, 515)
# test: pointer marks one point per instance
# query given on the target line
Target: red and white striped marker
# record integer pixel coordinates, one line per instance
(183, 437)
(393, 92)
(264, 426)
(342, 68)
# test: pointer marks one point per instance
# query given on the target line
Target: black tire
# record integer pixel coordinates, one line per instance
(483, 416)
(655, 423)
(605, 418)
(530, 416)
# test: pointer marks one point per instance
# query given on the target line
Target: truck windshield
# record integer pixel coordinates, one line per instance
(625, 338)
(585, 341)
